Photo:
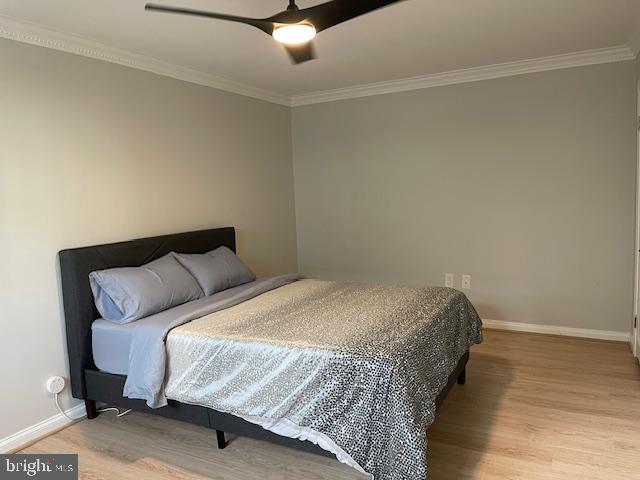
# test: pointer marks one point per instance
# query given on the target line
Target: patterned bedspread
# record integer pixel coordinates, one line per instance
(362, 364)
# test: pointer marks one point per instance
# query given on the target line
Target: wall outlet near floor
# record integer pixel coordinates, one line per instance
(55, 385)
(448, 280)
(466, 281)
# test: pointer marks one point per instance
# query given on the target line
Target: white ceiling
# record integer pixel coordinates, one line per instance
(411, 38)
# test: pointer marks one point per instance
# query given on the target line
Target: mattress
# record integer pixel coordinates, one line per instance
(111, 344)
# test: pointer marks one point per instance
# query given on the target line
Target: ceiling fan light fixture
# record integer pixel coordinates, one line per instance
(294, 34)
(293, 27)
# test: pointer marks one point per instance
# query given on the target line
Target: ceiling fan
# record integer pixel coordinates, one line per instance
(294, 27)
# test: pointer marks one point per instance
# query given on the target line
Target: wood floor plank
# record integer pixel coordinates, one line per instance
(535, 407)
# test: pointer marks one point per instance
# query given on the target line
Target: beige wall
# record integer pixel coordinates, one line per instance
(92, 152)
(526, 183)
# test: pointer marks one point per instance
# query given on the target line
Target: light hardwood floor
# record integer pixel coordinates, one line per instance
(534, 407)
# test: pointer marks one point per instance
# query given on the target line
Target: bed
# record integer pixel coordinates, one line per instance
(285, 329)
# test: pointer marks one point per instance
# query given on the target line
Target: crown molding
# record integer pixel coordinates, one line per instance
(26, 32)
(556, 62)
(21, 31)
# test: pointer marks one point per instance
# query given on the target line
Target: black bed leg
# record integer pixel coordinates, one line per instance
(462, 378)
(221, 440)
(91, 409)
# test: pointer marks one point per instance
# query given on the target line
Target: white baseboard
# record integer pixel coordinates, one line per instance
(31, 434)
(554, 330)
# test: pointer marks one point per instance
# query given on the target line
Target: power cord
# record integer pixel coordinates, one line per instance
(61, 410)
(114, 409)
(107, 409)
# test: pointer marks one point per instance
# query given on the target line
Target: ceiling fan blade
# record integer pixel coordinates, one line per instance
(332, 13)
(301, 53)
(264, 25)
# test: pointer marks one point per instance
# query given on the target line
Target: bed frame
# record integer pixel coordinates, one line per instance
(92, 385)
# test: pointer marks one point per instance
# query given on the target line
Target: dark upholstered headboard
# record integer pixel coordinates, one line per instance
(77, 263)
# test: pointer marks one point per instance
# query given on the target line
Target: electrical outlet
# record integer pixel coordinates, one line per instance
(466, 281)
(448, 280)
(55, 384)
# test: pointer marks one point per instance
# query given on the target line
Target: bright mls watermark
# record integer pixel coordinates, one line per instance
(53, 467)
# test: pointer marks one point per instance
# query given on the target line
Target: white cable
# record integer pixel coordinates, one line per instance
(114, 409)
(108, 409)
(60, 409)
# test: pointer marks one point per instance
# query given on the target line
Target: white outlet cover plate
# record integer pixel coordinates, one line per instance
(448, 280)
(466, 281)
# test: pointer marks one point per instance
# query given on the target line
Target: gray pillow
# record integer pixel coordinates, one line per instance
(216, 270)
(123, 295)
